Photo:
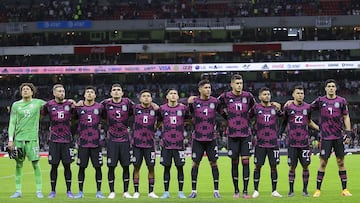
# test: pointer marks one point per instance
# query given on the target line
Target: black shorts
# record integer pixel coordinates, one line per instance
(296, 154)
(326, 147)
(61, 151)
(199, 147)
(260, 154)
(95, 154)
(168, 154)
(118, 151)
(148, 154)
(239, 146)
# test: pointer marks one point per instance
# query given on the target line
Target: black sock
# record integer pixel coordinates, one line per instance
(256, 178)
(166, 177)
(291, 179)
(53, 176)
(305, 175)
(81, 178)
(151, 184)
(194, 174)
(68, 176)
(126, 178)
(98, 178)
(111, 178)
(246, 174)
(274, 177)
(235, 174)
(215, 173)
(180, 177)
(319, 179)
(343, 178)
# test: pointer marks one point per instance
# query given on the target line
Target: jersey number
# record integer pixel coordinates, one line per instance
(238, 106)
(173, 119)
(206, 112)
(330, 109)
(89, 119)
(118, 115)
(267, 117)
(145, 119)
(60, 114)
(298, 119)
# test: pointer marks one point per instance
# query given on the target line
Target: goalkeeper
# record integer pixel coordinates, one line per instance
(23, 134)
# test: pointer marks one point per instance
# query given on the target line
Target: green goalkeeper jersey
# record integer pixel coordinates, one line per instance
(24, 119)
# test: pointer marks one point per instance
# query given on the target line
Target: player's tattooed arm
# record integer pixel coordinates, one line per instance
(313, 125)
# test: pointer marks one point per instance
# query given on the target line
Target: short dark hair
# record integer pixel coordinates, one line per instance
(57, 86)
(264, 89)
(170, 89)
(298, 87)
(236, 77)
(90, 87)
(203, 82)
(32, 87)
(116, 85)
(145, 91)
(330, 81)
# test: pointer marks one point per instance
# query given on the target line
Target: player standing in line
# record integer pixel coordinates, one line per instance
(172, 115)
(61, 147)
(265, 114)
(333, 115)
(297, 119)
(89, 117)
(236, 104)
(203, 110)
(116, 112)
(24, 126)
(143, 141)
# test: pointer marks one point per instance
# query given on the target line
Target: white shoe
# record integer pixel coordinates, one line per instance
(276, 194)
(127, 195)
(112, 195)
(152, 195)
(255, 194)
(136, 195)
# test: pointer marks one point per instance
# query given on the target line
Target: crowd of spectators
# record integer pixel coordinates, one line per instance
(39, 10)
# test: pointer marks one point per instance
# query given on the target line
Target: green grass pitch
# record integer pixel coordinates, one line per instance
(331, 187)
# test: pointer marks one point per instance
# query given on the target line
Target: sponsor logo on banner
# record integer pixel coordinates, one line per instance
(314, 65)
(293, 66)
(333, 65)
(70, 69)
(277, 66)
(164, 68)
(350, 65)
(132, 69)
(235, 67)
(198, 67)
(149, 68)
(186, 68)
(265, 67)
(246, 66)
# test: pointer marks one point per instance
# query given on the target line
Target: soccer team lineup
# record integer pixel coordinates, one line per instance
(254, 124)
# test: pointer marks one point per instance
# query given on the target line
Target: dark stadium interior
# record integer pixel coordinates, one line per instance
(139, 26)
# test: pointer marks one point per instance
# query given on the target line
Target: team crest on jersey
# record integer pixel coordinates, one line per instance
(152, 113)
(212, 106)
(96, 111)
(111, 107)
(124, 107)
(273, 112)
(244, 100)
(67, 108)
(231, 100)
(337, 105)
(179, 113)
(305, 112)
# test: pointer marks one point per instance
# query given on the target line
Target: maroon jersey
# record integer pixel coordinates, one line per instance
(60, 115)
(173, 125)
(266, 125)
(298, 118)
(204, 118)
(117, 119)
(88, 127)
(331, 116)
(237, 108)
(144, 126)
